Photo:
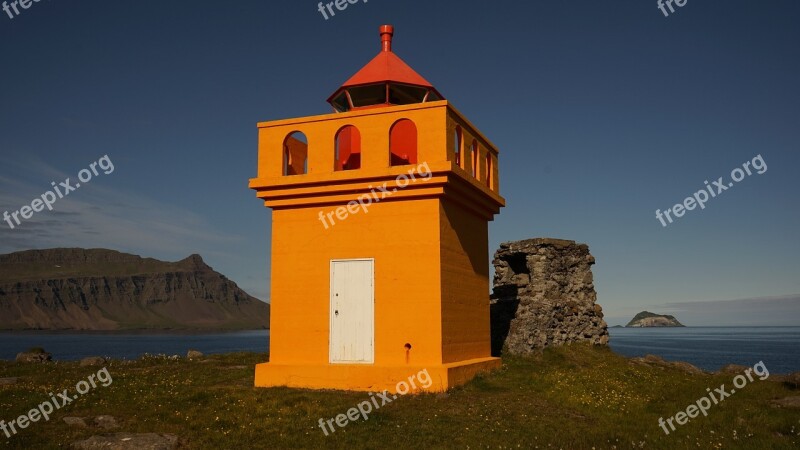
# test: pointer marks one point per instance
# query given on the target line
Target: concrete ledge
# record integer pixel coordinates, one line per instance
(375, 378)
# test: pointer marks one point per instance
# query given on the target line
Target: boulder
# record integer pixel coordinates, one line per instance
(657, 361)
(733, 369)
(105, 422)
(788, 402)
(75, 422)
(34, 355)
(194, 354)
(793, 380)
(543, 296)
(93, 361)
(686, 367)
(128, 441)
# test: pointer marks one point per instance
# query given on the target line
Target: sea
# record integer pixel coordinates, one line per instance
(76, 346)
(708, 348)
(711, 348)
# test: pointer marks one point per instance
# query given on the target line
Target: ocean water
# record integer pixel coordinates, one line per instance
(74, 346)
(710, 348)
(707, 348)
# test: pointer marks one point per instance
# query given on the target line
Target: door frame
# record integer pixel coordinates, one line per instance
(330, 315)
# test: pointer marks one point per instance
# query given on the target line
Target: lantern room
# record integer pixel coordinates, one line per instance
(386, 81)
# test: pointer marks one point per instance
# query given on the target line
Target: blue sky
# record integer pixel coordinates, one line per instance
(603, 113)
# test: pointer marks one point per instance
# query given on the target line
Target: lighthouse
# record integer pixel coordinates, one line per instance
(380, 214)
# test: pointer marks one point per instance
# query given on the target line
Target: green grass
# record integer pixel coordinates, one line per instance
(572, 398)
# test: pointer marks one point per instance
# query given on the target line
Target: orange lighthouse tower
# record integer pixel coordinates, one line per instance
(380, 259)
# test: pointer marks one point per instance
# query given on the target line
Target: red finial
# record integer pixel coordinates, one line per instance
(387, 31)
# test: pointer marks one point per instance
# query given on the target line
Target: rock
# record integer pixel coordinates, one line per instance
(93, 361)
(654, 359)
(543, 296)
(194, 354)
(733, 369)
(793, 380)
(129, 441)
(34, 355)
(686, 367)
(657, 361)
(788, 402)
(75, 422)
(8, 381)
(106, 422)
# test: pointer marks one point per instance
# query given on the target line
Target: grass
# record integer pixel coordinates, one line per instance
(570, 398)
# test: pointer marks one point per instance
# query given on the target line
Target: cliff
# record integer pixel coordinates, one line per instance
(647, 319)
(544, 296)
(97, 289)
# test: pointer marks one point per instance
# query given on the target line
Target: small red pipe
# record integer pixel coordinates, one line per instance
(387, 31)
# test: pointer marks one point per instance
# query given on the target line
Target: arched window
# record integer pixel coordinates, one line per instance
(348, 148)
(489, 169)
(295, 154)
(459, 149)
(474, 155)
(403, 143)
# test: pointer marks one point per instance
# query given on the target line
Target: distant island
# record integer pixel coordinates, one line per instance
(646, 319)
(105, 290)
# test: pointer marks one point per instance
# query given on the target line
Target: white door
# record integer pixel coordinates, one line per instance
(352, 311)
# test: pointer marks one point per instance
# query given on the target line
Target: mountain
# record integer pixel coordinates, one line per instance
(98, 289)
(647, 319)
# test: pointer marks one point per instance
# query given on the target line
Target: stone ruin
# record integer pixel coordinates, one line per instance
(544, 296)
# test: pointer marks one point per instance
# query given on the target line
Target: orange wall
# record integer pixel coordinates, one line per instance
(465, 284)
(402, 236)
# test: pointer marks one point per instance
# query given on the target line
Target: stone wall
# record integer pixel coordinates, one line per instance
(544, 296)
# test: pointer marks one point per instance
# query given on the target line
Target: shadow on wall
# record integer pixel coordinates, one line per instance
(505, 295)
(502, 313)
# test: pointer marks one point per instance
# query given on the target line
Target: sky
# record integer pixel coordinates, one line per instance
(604, 113)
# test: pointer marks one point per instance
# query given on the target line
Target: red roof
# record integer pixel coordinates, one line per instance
(386, 67)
